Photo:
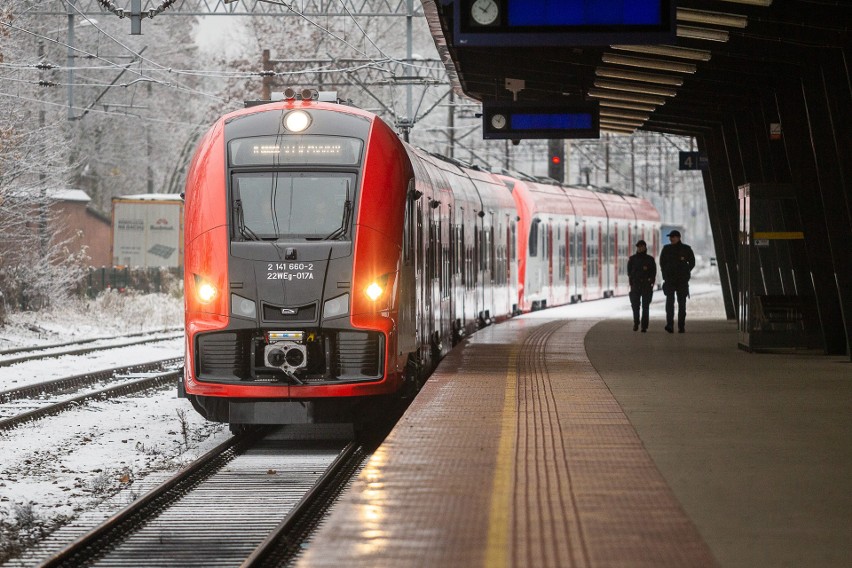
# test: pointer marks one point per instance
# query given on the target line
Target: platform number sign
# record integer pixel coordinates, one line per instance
(691, 161)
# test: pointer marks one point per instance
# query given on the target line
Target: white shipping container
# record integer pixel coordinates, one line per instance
(147, 231)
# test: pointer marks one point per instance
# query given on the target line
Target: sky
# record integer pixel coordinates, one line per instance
(220, 35)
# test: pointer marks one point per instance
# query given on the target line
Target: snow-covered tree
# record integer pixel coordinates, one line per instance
(34, 267)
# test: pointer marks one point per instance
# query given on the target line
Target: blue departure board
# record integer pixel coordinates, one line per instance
(526, 120)
(501, 23)
(581, 13)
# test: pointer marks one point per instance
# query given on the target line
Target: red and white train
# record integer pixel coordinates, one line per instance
(329, 265)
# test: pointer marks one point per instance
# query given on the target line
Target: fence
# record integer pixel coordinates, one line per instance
(146, 280)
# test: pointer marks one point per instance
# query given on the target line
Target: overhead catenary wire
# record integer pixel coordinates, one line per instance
(113, 65)
(379, 63)
(123, 115)
(150, 71)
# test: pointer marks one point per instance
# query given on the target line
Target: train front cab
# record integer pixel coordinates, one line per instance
(294, 274)
(546, 236)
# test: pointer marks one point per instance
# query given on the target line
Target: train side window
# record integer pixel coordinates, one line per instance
(534, 238)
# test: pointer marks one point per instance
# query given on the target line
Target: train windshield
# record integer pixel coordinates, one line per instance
(281, 205)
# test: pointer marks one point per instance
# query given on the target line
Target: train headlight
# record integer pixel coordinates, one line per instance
(297, 120)
(243, 306)
(374, 291)
(336, 306)
(205, 291)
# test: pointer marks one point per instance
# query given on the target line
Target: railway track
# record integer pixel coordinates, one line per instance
(158, 379)
(33, 353)
(242, 494)
(78, 381)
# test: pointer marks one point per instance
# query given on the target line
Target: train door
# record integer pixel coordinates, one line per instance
(550, 292)
(534, 277)
(574, 259)
(407, 337)
(456, 264)
(616, 257)
(513, 266)
(424, 281)
(444, 285)
(479, 281)
(584, 238)
(507, 272)
(600, 257)
(488, 265)
(630, 240)
(433, 263)
(560, 271)
(468, 237)
(568, 256)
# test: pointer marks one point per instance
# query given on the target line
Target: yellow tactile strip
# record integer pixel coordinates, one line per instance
(514, 454)
(582, 471)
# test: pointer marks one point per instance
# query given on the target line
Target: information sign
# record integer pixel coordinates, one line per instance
(527, 120)
(501, 23)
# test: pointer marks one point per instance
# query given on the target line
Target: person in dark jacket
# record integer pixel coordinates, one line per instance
(676, 263)
(642, 273)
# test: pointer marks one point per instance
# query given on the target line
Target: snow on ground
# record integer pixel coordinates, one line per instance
(55, 469)
(39, 370)
(705, 302)
(111, 313)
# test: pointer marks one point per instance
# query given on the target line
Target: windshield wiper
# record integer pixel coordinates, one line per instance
(347, 212)
(246, 233)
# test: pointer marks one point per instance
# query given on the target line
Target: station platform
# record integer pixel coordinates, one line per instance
(561, 440)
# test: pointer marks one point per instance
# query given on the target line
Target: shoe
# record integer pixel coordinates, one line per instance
(644, 331)
(635, 327)
(669, 329)
(681, 330)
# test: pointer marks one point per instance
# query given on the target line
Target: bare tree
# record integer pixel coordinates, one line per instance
(36, 268)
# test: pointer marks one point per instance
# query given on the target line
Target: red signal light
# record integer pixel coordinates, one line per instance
(555, 159)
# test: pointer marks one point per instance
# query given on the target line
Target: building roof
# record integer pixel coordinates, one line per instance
(69, 194)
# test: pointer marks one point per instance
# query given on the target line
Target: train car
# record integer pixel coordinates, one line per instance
(329, 265)
(575, 242)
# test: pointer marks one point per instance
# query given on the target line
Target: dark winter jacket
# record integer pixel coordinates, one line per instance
(642, 271)
(676, 263)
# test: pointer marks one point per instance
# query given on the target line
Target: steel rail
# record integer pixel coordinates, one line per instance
(285, 541)
(84, 341)
(83, 351)
(95, 543)
(77, 381)
(104, 394)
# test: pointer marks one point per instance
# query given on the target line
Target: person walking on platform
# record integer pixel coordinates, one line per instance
(642, 273)
(676, 263)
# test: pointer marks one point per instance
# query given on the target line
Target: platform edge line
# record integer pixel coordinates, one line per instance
(499, 516)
